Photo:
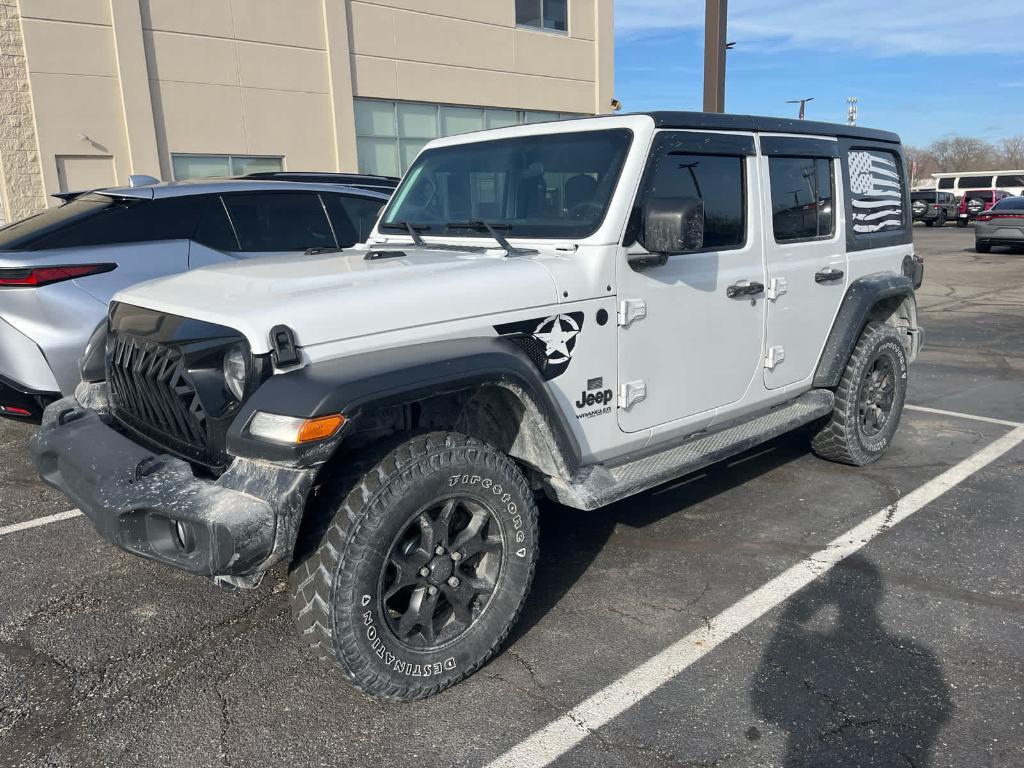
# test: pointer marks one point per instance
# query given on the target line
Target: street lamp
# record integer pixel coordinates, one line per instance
(802, 103)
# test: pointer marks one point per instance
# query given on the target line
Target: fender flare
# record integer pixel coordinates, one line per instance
(863, 295)
(354, 384)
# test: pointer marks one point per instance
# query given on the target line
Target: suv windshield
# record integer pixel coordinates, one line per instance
(32, 233)
(553, 185)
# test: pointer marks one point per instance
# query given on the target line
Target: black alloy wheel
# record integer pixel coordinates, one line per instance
(877, 393)
(441, 572)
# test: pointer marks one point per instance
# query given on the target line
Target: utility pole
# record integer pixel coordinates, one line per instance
(802, 103)
(851, 110)
(715, 21)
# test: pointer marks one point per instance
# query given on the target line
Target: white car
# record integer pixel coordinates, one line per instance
(581, 310)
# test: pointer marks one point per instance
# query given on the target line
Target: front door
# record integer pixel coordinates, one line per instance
(807, 256)
(685, 347)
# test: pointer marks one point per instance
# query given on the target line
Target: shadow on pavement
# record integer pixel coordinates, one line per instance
(846, 691)
(570, 539)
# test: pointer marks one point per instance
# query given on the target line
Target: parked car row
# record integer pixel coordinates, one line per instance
(60, 268)
(934, 207)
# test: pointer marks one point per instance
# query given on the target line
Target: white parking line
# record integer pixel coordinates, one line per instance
(553, 741)
(957, 415)
(39, 521)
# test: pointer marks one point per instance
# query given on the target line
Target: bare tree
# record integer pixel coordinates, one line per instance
(962, 153)
(1011, 152)
(921, 164)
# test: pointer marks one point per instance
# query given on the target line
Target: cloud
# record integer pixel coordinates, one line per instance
(873, 27)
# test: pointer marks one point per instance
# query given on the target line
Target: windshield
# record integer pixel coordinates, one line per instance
(34, 232)
(553, 185)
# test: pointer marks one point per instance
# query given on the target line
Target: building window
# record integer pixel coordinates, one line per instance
(221, 166)
(543, 14)
(389, 134)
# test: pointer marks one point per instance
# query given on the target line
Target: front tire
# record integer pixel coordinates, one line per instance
(869, 400)
(424, 569)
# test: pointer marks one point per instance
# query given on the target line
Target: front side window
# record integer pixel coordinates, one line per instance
(801, 190)
(947, 183)
(717, 181)
(543, 14)
(353, 217)
(279, 221)
(555, 185)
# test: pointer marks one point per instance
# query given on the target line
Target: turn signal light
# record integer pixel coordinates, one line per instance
(318, 429)
(35, 277)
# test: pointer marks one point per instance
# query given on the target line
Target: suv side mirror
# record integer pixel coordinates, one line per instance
(670, 225)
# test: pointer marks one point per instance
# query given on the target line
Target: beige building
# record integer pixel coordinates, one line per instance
(94, 90)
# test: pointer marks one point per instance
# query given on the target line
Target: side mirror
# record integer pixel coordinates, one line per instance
(671, 225)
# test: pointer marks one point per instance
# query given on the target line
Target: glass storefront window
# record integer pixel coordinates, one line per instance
(221, 166)
(389, 134)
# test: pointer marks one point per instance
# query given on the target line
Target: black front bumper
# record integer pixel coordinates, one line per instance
(153, 505)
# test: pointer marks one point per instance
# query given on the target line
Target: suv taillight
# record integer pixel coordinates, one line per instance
(35, 277)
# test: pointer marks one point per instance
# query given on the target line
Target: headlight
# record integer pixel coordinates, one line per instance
(236, 371)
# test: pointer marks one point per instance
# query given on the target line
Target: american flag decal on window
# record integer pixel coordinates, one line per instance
(877, 192)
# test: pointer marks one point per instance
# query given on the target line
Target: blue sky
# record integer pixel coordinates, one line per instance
(919, 68)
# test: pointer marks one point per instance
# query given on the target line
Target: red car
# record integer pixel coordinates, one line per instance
(976, 201)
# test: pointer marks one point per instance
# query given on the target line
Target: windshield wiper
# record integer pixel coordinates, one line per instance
(492, 230)
(413, 230)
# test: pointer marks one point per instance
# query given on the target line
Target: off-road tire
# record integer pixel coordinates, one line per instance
(335, 591)
(841, 438)
(983, 247)
(961, 222)
(942, 219)
(929, 222)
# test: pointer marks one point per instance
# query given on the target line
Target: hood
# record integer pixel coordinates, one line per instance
(336, 296)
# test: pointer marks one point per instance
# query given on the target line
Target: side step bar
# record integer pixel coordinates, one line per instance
(603, 484)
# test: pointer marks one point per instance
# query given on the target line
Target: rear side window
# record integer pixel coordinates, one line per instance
(279, 221)
(876, 191)
(353, 217)
(801, 198)
(1009, 204)
(214, 229)
(947, 183)
(102, 220)
(975, 181)
(1011, 180)
(716, 180)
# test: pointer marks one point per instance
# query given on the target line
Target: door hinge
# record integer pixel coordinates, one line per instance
(631, 392)
(777, 286)
(630, 310)
(775, 356)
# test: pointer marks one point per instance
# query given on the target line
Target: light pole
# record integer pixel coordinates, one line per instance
(715, 21)
(802, 103)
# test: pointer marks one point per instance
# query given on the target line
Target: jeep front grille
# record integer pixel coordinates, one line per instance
(152, 394)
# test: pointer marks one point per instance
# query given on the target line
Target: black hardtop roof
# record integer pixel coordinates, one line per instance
(754, 123)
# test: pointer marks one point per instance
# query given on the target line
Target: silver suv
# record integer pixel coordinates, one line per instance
(59, 268)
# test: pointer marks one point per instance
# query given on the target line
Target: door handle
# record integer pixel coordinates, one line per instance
(744, 288)
(828, 275)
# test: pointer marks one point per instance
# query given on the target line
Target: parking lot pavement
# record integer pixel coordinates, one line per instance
(906, 652)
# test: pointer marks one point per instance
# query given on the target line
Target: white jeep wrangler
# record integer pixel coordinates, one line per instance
(581, 310)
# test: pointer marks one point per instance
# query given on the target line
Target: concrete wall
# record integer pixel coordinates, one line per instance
(113, 87)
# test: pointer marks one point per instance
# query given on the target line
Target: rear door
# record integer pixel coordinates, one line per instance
(806, 253)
